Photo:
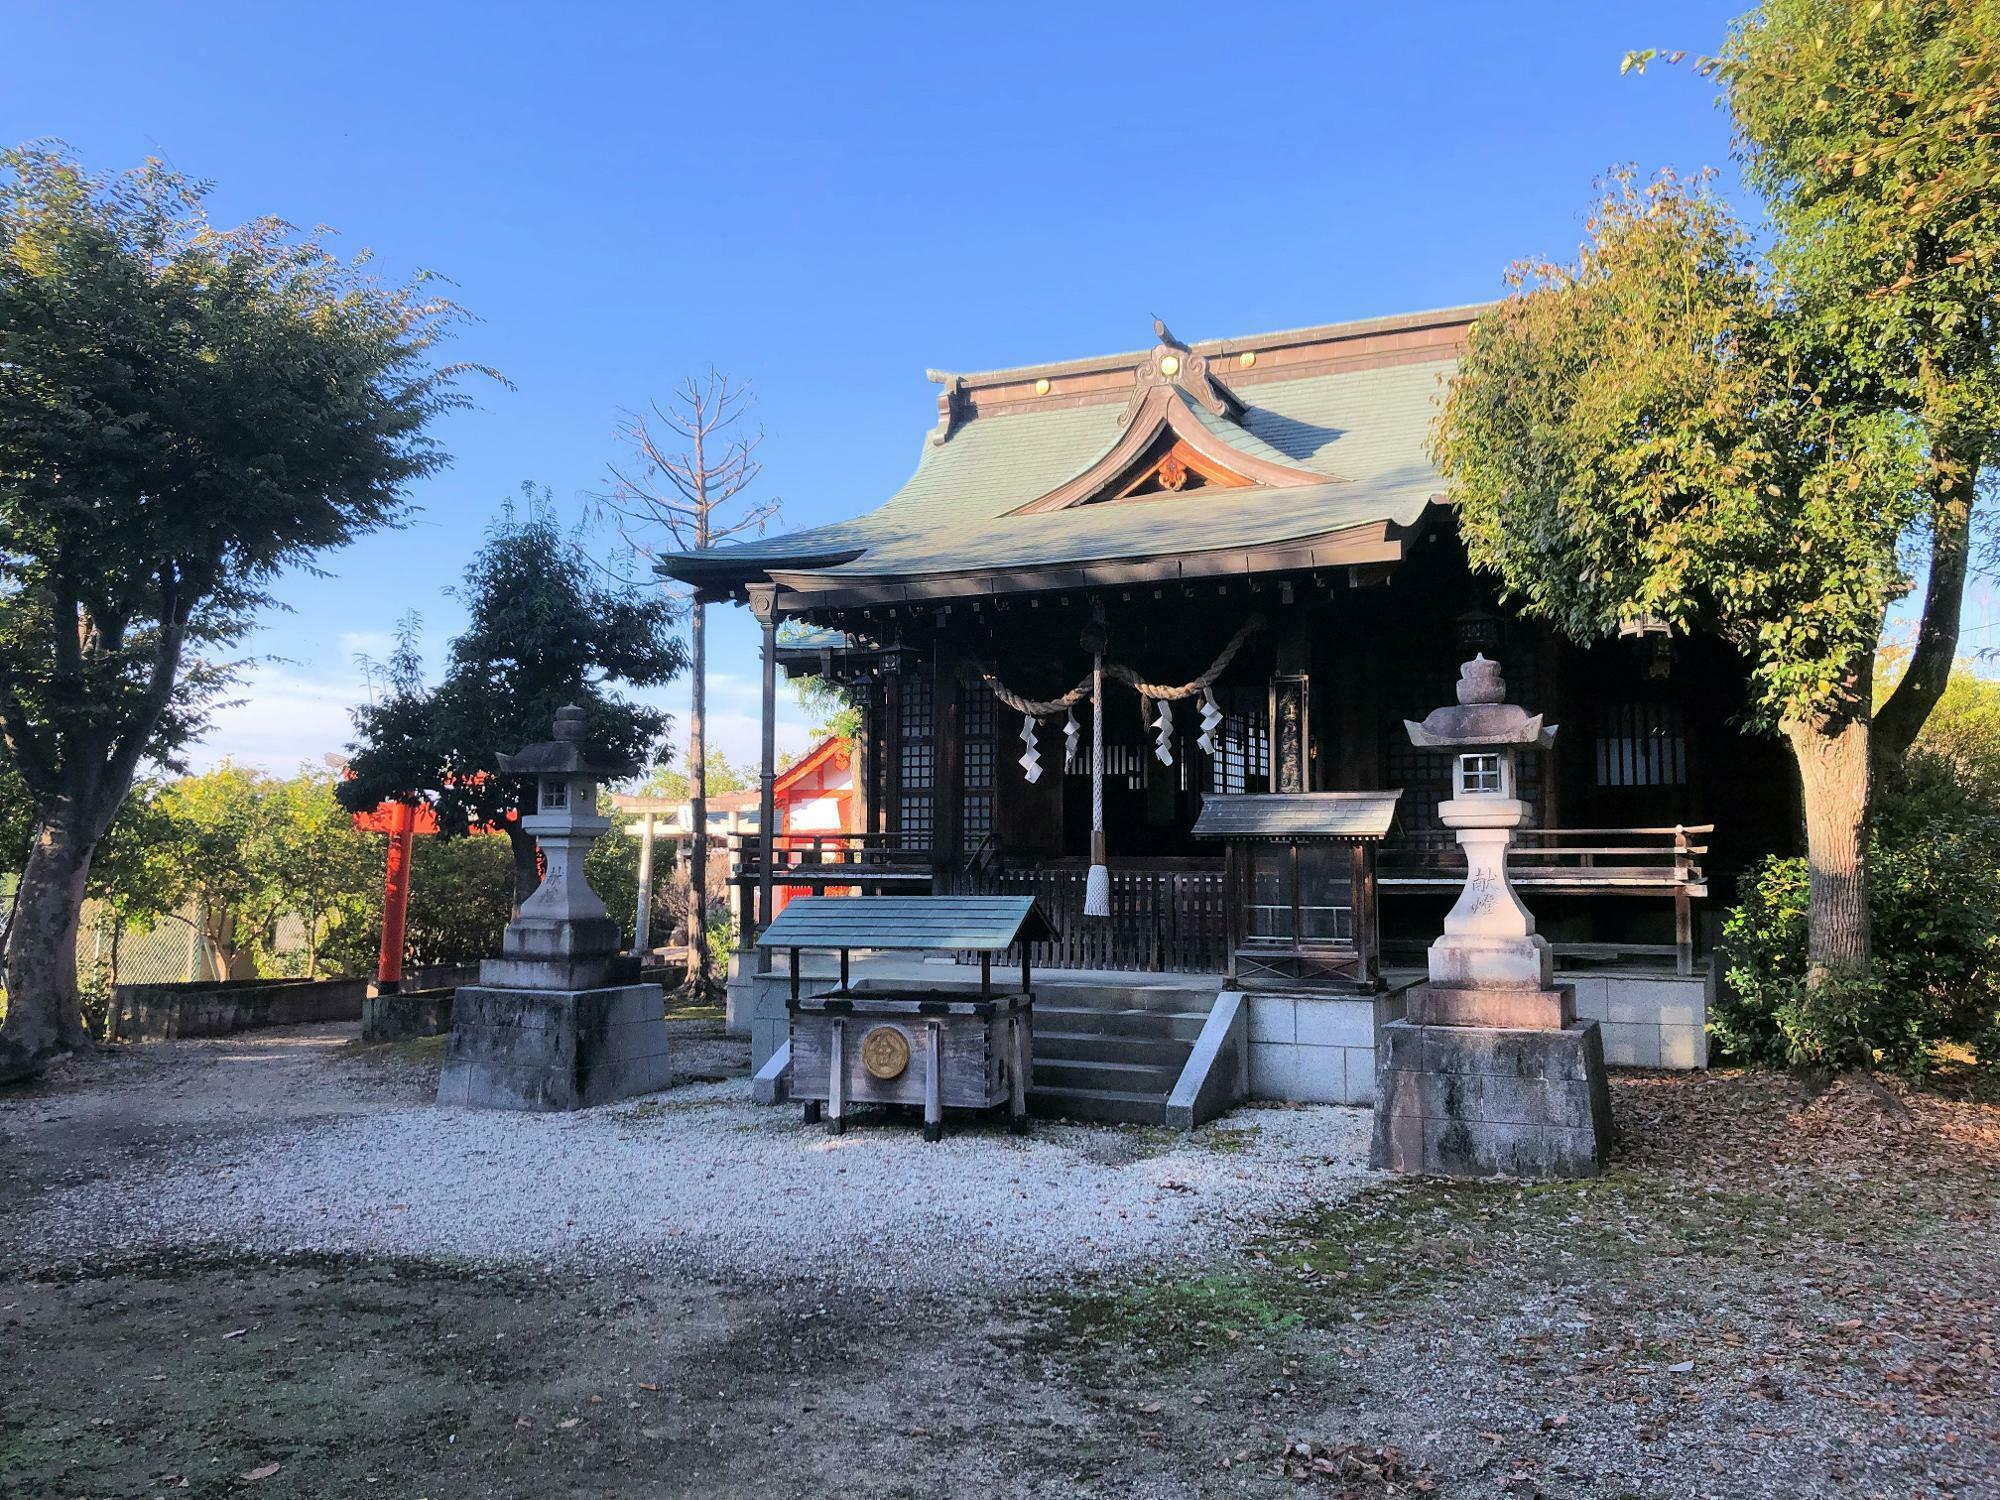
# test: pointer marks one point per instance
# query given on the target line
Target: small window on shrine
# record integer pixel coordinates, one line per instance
(1641, 744)
(1326, 894)
(1479, 773)
(916, 764)
(977, 757)
(555, 795)
(1270, 906)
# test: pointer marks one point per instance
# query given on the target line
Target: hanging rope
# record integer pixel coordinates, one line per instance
(1040, 708)
(1097, 884)
(1200, 684)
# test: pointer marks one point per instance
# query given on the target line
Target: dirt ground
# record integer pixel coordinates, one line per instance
(1773, 1294)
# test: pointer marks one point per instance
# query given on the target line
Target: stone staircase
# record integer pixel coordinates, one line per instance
(1111, 1052)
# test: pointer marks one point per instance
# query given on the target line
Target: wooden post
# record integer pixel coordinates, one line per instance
(642, 920)
(933, 1085)
(1018, 1123)
(986, 976)
(395, 900)
(836, 1085)
(795, 975)
(1683, 907)
(843, 971)
(1027, 982)
(764, 605)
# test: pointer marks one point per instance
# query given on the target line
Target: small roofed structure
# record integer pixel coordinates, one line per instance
(1299, 884)
(908, 1046)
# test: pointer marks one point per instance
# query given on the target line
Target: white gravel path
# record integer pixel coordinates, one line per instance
(700, 1176)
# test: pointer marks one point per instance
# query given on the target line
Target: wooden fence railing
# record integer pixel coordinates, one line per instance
(1162, 919)
(1661, 862)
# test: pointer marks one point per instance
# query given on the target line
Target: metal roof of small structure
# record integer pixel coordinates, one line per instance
(1292, 815)
(907, 924)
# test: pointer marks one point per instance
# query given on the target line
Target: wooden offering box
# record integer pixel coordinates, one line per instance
(934, 1048)
(1299, 887)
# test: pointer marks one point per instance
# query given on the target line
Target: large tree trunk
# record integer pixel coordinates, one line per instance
(1833, 762)
(1955, 464)
(43, 1016)
(698, 798)
(527, 870)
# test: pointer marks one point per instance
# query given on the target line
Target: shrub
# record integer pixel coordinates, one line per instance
(1934, 895)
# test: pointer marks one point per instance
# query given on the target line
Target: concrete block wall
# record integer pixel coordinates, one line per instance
(1313, 1049)
(756, 1009)
(1647, 1020)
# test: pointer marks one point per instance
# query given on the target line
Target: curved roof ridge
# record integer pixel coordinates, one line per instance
(1354, 328)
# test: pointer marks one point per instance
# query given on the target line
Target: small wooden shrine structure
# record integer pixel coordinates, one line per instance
(1298, 881)
(900, 1045)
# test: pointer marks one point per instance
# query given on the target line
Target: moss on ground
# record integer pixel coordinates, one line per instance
(1415, 1238)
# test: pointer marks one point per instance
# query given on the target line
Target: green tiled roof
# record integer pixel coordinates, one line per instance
(1364, 429)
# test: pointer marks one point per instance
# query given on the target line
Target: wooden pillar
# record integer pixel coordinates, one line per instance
(642, 920)
(764, 605)
(947, 761)
(395, 898)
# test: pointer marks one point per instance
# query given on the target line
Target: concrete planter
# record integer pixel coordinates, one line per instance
(162, 1012)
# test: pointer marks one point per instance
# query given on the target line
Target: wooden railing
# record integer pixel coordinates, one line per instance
(1588, 861)
(1164, 917)
(876, 864)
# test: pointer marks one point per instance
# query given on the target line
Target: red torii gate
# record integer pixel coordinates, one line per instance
(402, 821)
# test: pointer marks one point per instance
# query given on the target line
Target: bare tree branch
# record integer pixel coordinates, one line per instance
(683, 483)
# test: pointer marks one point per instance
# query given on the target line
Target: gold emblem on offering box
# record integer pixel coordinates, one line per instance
(885, 1052)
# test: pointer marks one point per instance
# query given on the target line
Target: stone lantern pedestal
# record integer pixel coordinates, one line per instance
(559, 1020)
(1489, 1073)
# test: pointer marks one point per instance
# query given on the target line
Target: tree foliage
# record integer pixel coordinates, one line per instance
(246, 851)
(1871, 128)
(724, 775)
(545, 628)
(185, 410)
(1640, 435)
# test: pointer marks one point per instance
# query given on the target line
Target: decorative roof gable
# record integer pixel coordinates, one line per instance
(1181, 430)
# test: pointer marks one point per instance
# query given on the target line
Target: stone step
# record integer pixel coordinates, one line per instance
(1114, 1077)
(1090, 1020)
(1166, 997)
(1092, 1046)
(1111, 1106)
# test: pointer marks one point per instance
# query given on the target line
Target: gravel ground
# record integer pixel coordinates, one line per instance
(1777, 1292)
(701, 1177)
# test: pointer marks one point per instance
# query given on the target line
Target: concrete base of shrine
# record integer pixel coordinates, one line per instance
(1482, 1101)
(554, 1049)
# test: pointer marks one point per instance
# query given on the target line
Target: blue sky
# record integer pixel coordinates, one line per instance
(826, 200)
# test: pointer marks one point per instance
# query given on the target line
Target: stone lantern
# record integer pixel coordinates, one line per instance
(1491, 967)
(1489, 1072)
(563, 938)
(559, 1019)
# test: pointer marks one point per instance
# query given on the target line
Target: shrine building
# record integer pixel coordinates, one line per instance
(1241, 548)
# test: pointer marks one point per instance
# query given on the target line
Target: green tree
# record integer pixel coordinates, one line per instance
(217, 825)
(545, 629)
(1651, 432)
(185, 410)
(309, 861)
(724, 775)
(461, 895)
(1872, 130)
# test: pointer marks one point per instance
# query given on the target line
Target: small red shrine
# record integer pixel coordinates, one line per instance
(815, 803)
